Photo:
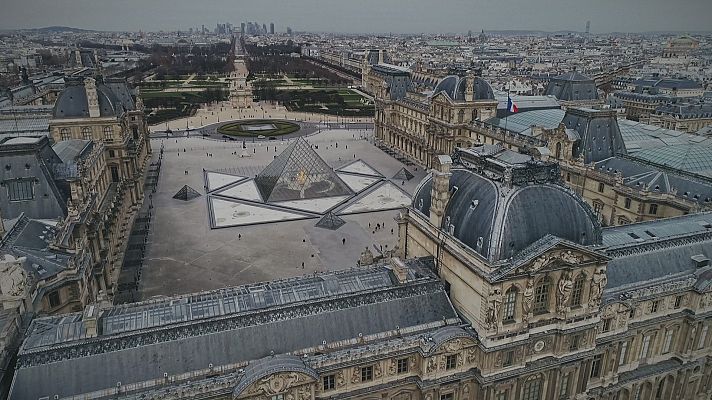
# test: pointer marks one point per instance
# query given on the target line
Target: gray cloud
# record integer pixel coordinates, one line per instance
(397, 16)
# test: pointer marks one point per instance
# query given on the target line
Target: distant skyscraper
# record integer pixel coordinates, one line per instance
(242, 28)
(271, 28)
(588, 27)
(264, 28)
(289, 31)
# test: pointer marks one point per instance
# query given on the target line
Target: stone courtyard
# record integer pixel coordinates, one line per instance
(185, 254)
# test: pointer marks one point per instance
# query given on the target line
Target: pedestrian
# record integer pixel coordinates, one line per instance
(343, 241)
(391, 231)
(239, 236)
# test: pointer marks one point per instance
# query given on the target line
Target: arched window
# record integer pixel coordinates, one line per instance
(461, 116)
(108, 134)
(541, 296)
(532, 388)
(558, 150)
(64, 134)
(577, 290)
(474, 115)
(86, 133)
(510, 302)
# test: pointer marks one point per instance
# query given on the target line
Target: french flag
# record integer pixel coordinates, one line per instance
(511, 107)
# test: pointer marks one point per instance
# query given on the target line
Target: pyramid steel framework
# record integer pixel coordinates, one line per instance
(186, 193)
(330, 221)
(299, 173)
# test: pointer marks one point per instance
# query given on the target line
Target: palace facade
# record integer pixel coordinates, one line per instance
(627, 171)
(505, 288)
(69, 198)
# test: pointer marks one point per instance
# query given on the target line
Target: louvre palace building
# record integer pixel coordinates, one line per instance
(625, 170)
(504, 286)
(68, 198)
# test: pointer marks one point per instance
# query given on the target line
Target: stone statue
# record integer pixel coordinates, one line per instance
(598, 283)
(495, 300)
(528, 297)
(563, 294)
(14, 281)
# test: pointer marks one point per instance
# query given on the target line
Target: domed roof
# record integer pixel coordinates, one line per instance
(498, 222)
(456, 87)
(72, 102)
(572, 86)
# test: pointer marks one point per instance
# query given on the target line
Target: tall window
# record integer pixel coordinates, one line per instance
(703, 337)
(654, 306)
(577, 290)
(402, 365)
(596, 366)
(623, 353)
(503, 395)
(451, 361)
(367, 373)
(645, 348)
(564, 386)
(510, 301)
(541, 296)
(601, 186)
(114, 173)
(532, 389)
(21, 189)
(627, 202)
(86, 133)
(329, 382)
(108, 134)
(64, 134)
(668, 340)
(558, 150)
(653, 209)
(508, 358)
(54, 299)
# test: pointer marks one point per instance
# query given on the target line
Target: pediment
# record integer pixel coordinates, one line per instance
(442, 97)
(560, 254)
(276, 383)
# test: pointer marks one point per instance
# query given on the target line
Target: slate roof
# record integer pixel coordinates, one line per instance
(657, 229)
(572, 86)
(456, 88)
(70, 150)
(72, 102)
(600, 136)
(499, 222)
(188, 333)
(657, 179)
(686, 111)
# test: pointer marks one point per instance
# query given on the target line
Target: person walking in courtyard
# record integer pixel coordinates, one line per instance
(343, 241)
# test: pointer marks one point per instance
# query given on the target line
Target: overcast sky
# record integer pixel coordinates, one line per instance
(365, 16)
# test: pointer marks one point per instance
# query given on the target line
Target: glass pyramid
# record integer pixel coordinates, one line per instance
(330, 221)
(299, 173)
(186, 193)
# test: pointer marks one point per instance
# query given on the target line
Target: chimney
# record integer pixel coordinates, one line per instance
(92, 97)
(470, 86)
(399, 269)
(440, 193)
(91, 320)
(700, 260)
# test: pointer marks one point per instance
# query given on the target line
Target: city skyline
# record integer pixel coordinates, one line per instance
(387, 16)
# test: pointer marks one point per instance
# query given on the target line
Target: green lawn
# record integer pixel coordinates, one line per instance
(237, 128)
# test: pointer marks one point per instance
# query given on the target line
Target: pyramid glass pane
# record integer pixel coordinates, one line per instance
(299, 173)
